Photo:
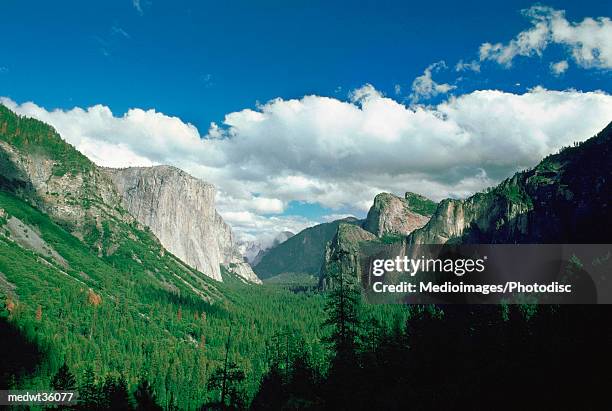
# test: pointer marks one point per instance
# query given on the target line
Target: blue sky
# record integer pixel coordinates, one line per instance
(199, 61)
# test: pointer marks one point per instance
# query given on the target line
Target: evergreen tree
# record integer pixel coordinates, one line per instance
(145, 397)
(63, 380)
(115, 394)
(272, 391)
(89, 395)
(342, 311)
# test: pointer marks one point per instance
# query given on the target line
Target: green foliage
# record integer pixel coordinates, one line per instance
(37, 138)
(145, 397)
(420, 204)
(135, 327)
(63, 380)
(391, 238)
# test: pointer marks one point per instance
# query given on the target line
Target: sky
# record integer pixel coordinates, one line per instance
(301, 112)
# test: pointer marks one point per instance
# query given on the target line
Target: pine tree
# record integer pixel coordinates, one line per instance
(115, 394)
(342, 311)
(145, 397)
(89, 395)
(63, 380)
(227, 379)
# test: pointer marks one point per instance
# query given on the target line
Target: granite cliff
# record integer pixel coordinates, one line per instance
(180, 210)
(564, 199)
(391, 214)
(390, 219)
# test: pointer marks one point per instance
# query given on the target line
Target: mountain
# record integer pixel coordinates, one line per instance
(566, 198)
(303, 253)
(391, 214)
(306, 252)
(180, 210)
(84, 282)
(342, 252)
(254, 251)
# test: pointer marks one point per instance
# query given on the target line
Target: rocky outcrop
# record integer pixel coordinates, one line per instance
(342, 253)
(564, 199)
(180, 210)
(40, 168)
(391, 214)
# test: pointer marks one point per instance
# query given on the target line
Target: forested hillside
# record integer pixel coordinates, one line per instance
(88, 296)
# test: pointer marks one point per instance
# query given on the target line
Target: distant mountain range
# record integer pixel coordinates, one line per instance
(253, 251)
(305, 252)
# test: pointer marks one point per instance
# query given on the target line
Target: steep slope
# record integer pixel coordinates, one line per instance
(84, 282)
(39, 167)
(564, 199)
(342, 252)
(391, 214)
(303, 253)
(180, 210)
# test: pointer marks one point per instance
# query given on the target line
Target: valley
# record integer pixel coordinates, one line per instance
(129, 280)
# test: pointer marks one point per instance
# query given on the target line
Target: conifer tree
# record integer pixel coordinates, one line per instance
(89, 395)
(145, 397)
(63, 380)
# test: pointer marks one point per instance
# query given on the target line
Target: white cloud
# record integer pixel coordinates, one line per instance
(468, 66)
(397, 89)
(559, 67)
(589, 42)
(336, 153)
(250, 226)
(424, 87)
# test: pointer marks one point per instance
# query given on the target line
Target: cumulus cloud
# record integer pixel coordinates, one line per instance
(250, 226)
(424, 87)
(337, 153)
(589, 42)
(559, 67)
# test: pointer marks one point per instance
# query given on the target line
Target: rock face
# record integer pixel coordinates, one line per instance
(180, 210)
(389, 219)
(342, 252)
(40, 168)
(391, 214)
(564, 199)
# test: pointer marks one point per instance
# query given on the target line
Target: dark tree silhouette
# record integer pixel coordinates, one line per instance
(63, 380)
(145, 397)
